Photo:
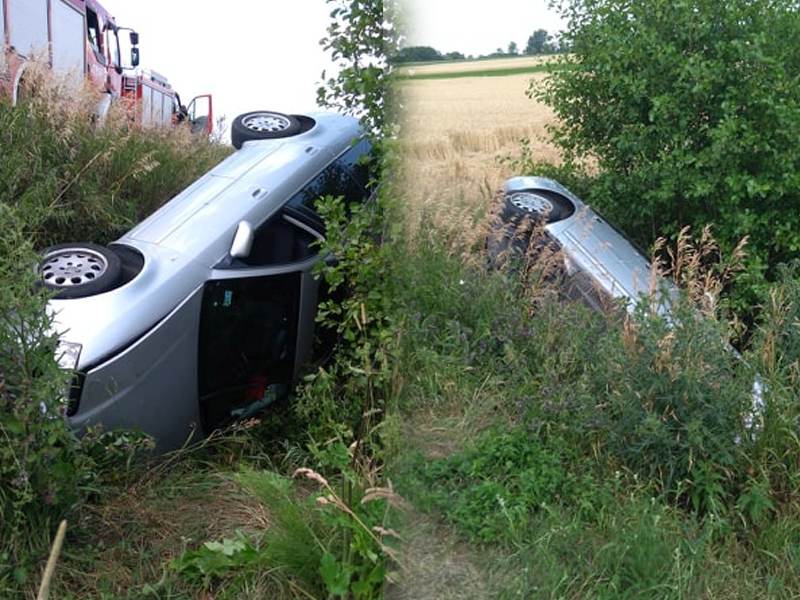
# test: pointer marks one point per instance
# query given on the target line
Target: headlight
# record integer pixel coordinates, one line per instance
(67, 355)
(569, 266)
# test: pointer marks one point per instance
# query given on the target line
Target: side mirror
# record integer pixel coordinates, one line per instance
(242, 240)
(134, 38)
(134, 57)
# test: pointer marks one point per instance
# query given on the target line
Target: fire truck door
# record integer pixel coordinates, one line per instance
(201, 116)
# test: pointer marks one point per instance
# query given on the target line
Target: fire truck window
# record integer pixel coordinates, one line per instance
(113, 47)
(29, 33)
(95, 35)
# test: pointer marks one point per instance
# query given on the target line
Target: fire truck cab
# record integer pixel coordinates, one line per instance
(79, 39)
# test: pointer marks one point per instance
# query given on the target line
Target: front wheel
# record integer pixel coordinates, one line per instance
(536, 205)
(77, 270)
(262, 125)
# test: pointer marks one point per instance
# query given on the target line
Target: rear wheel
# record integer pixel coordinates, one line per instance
(263, 125)
(77, 270)
(518, 217)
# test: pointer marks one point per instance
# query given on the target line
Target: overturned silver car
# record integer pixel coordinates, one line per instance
(596, 263)
(207, 308)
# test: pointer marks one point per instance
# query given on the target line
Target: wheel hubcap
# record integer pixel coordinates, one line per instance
(532, 203)
(266, 122)
(72, 267)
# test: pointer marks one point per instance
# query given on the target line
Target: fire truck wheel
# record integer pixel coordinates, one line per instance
(78, 270)
(262, 125)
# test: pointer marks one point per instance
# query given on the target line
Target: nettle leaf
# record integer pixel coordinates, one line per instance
(335, 575)
(228, 547)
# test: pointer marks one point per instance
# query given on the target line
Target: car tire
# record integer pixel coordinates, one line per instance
(536, 205)
(515, 219)
(77, 270)
(263, 125)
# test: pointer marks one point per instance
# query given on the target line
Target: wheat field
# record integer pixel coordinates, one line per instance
(452, 135)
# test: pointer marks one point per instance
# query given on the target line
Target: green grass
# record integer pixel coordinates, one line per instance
(544, 68)
(470, 60)
(63, 178)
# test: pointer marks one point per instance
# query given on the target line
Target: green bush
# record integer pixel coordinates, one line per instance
(43, 472)
(687, 113)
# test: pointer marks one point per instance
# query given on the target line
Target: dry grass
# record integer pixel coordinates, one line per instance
(152, 522)
(476, 65)
(454, 131)
(442, 567)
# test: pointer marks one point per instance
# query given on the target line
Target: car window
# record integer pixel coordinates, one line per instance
(581, 287)
(247, 343)
(291, 235)
(348, 176)
(280, 241)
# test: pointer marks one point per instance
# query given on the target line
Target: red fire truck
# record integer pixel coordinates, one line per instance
(79, 38)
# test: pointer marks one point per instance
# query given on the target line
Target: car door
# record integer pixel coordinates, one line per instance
(257, 324)
(247, 347)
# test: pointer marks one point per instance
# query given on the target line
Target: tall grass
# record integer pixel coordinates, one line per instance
(607, 455)
(62, 178)
(73, 179)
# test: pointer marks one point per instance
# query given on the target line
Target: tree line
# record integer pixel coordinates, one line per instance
(539, 42)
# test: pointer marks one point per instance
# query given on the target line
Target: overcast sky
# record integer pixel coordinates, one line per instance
(477, 26)
(250, 54)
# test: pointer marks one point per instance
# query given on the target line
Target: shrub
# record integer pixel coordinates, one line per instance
(43, 472)
(688, 114)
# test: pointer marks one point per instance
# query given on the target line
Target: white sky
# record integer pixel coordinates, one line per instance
(250, 54)
(477, 26)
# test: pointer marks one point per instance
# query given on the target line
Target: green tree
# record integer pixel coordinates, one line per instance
(360, 38)
(454, 56)
(415, 54)
(512, 48)
(538, 42)
(690, 113)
